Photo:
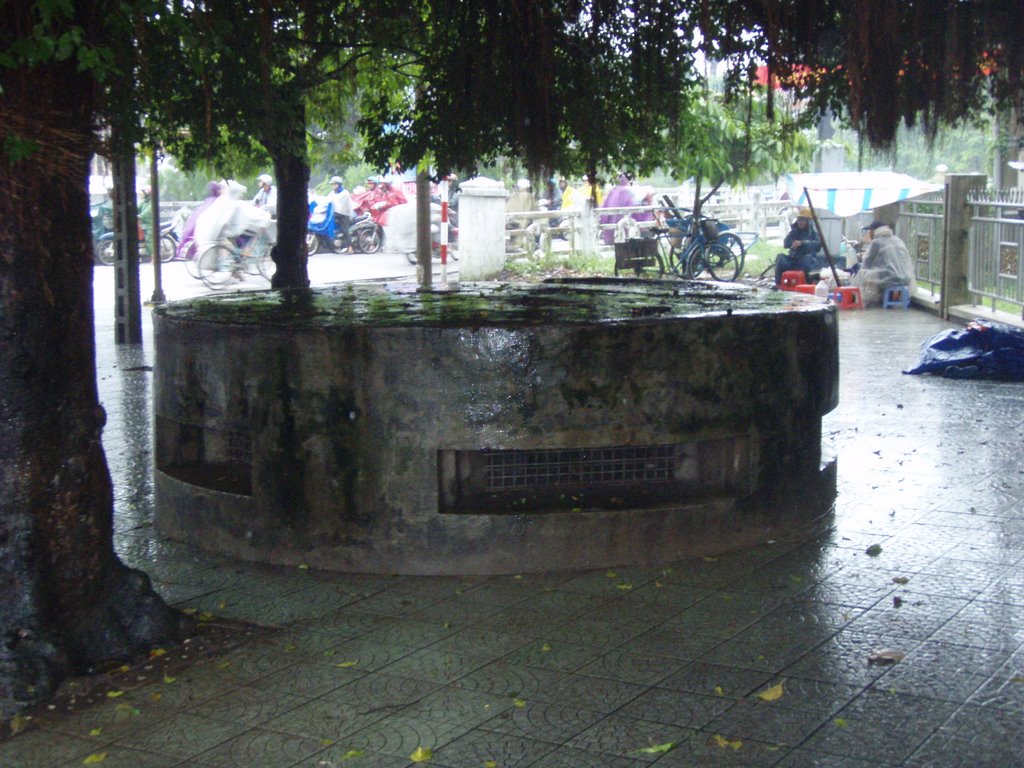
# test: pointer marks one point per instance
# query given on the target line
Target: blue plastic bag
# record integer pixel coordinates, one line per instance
(982, 350)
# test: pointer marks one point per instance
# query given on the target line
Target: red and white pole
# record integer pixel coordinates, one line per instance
(442, 190)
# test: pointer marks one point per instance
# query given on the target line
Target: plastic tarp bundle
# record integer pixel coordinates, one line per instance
(982, 350)
(847, 193)
(321, 217)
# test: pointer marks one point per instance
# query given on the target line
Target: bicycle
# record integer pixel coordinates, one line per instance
(699, 248)
(228, 260)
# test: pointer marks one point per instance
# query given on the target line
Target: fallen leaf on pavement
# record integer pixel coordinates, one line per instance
(772, 694)
(886, 656)
(421, 755)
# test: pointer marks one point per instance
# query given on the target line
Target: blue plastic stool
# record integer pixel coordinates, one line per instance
(896, 296)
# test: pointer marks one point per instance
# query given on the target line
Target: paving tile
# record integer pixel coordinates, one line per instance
(457, 705)
(556, 654)
(248, 706)
(381, 692)
(39, 749)
(184, 736)
(756, 720)
(434, 666)
(662, 705)
(632, 667)
(807, 758)
(711, 749)
(555, 722)
(508, 678)
(675, 644)
(881, 726)
(605, 633)
(609, 583)
(589, 692)
(725, 613)
(974, 736)
(480, 747)
(342, 754)
(400, 736)
(1005, 687)
(570, 757)
(482, 642)
(324, 718)
(944, 671)
(627, 737)
(266, 749)
(985, 624)
(362, 654)
(308, 678)
(843, 658)
(710, 679)
(117, 756)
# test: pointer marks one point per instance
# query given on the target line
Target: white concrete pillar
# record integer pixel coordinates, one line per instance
(481, 229)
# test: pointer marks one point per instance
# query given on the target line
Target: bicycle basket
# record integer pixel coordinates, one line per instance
(709, 228)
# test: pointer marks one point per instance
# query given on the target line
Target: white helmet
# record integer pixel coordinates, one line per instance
(265, 178)
(336, 180)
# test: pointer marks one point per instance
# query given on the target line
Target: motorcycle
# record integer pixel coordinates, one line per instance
(365, 234)
(435, 234)
(104, 249)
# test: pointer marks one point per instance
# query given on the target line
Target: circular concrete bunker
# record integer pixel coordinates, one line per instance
(492, 428)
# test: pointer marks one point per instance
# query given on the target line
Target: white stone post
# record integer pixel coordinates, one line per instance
(481, 229)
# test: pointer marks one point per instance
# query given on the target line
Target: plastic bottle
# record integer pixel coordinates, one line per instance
(822, 288)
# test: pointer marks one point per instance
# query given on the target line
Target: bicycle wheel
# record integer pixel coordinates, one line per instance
(267, 266)
(217, 266)
(732, 241)
(720, 263)
(168, 247)
(676, 262)
(192, 262)
(104, 251)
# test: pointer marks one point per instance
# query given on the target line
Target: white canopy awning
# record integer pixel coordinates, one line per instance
(846, 193)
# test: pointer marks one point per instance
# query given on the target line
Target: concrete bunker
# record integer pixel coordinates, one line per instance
(492, 428)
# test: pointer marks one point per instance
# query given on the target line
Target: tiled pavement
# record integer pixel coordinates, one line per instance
(755, 658)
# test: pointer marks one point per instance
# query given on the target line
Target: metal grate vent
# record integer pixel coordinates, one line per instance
(239, 447)
(514, 470)
(542, 480)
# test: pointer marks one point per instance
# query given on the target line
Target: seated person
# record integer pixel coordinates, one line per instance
(803, 244)
(886, 263)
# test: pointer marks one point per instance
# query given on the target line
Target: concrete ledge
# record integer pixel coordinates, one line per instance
(492, 429)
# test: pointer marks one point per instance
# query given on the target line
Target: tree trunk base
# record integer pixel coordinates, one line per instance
(128, 619)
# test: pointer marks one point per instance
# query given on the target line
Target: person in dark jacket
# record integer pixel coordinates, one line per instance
(803, 244)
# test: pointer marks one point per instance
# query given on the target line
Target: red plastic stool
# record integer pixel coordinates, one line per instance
(847, 297)
(805, 288)
(791, 279)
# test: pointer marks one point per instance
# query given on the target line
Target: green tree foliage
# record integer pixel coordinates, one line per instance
(731, 141)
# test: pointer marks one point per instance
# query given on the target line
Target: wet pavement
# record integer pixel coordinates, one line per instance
(762, 657)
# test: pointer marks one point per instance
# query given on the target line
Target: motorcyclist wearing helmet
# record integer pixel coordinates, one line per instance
(341, 202)
(388, 197)
(266, 197)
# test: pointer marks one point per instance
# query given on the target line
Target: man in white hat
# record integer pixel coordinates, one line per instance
(341, 201)
(266, 197)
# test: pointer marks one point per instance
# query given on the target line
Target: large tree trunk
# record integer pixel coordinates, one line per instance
(287, 146)
(66, 600)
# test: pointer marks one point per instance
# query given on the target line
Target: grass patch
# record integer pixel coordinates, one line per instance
(560, 262)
